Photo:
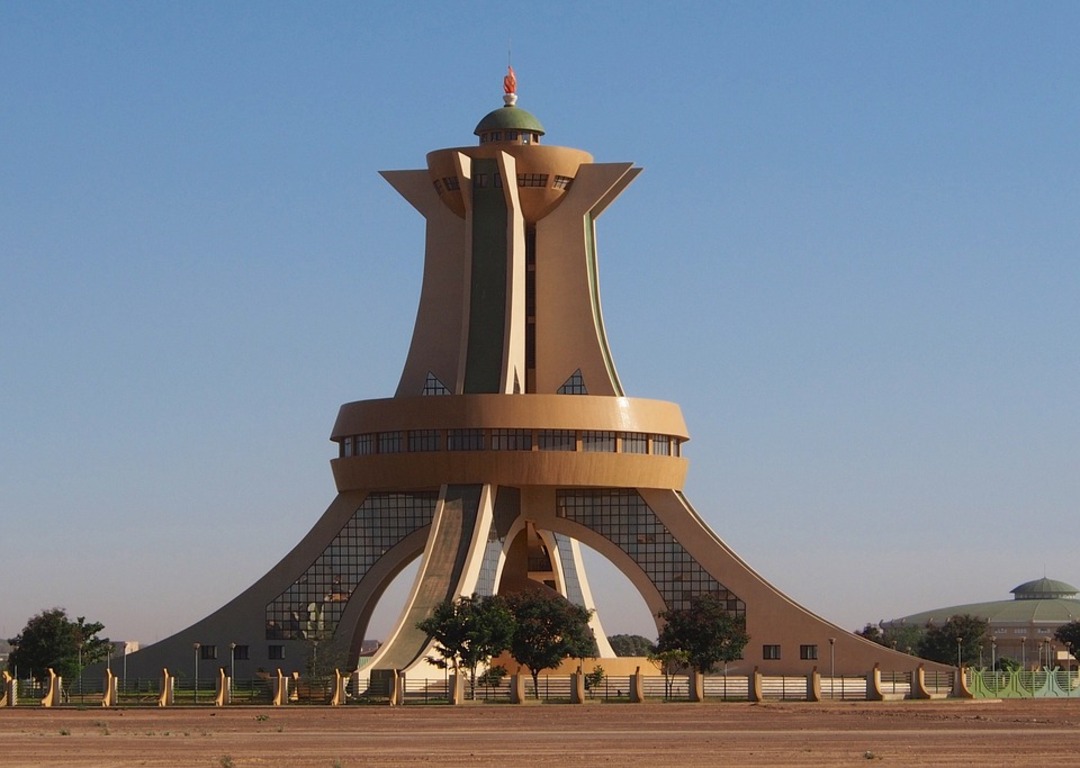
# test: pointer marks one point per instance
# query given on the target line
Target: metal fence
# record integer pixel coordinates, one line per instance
(258, 691)
(1037, 684)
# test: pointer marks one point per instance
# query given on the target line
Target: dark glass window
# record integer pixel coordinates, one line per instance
(661, 445)
(575, 385)
(635, 442)
(808, 652)
(390, 442)
(562, 182)
(423, 440)
(532, 179)
(557, 440)
(207, 652)
(465, 440)
(770, 652)
(511, 439)
(596, 441)
(241, 653)
(365, 444)
(432, 386)
(275, 652)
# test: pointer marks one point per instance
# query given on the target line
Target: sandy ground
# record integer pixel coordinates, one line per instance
(1029, 732)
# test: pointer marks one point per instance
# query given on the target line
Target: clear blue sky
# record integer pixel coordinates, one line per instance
(852, 259)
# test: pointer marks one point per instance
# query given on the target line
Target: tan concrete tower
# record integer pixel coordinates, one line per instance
(509, 439)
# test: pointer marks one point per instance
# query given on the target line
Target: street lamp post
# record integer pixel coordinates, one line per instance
(993, 655)
(1023, 653)
(196, 646)
(959, 652)
(832, 667)
(232, 668)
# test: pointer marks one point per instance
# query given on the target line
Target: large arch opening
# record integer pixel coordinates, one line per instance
(392, 604)
(621, 607)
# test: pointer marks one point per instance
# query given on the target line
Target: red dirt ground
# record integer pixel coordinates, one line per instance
(941, 733)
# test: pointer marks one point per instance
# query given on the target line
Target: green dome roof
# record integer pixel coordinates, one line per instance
(509, 118)
(1044, 588)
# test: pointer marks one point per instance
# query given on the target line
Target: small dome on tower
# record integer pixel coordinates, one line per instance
(509, 123)
(509, 118)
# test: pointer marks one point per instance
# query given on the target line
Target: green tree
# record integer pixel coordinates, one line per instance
(631, 645)
(594, 680)
(1069, 636)
(902, 637)
(707, 631)
(670, 663)
(51, 640)
(964, 633)
(468, 632)
(547, 629)
(872, 632)
(492, 677)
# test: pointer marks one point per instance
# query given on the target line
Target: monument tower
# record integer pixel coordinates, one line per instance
(509, 441)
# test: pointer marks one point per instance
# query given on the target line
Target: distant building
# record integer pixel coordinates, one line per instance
(1021, 628)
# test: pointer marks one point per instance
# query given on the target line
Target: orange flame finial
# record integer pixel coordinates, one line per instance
(510, 81)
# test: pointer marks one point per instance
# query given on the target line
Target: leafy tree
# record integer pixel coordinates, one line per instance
(706, 631)
(872, 632)
(547, 629)
(902, 637)
(492, 677)
(1006, 664)
(631, 645)
(51, 640)
(939, 643)
(1069, 636)
(670, 662)
(468, 632)
(594, 679)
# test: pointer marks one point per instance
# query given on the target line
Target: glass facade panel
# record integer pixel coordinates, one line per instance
(634, 442)
(421, 440)
(557, 440)
(595, 441)
(312, 606)
(465, 440)
(575, 385)
(622, 516)
(391, 442)
(511, 439)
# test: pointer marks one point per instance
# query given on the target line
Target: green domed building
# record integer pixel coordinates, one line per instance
(1022, 628)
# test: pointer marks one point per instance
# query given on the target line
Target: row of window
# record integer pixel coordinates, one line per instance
(525, 137)
(481, 181)
(770, 652)
(476, 439)
(236, 652)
